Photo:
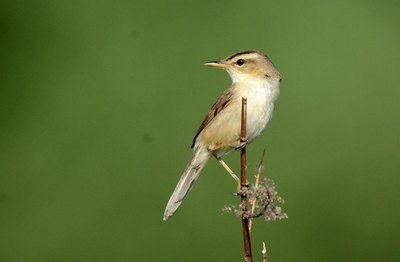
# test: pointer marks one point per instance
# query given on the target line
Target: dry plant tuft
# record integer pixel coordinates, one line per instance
(266, 202)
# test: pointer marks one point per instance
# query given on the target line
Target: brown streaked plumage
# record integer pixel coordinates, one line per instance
(253, 76)
(221, 103)
(244, 53)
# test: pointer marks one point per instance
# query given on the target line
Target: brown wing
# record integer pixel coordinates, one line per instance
(217, 107)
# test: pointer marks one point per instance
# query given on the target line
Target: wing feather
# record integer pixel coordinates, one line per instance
(222, 102)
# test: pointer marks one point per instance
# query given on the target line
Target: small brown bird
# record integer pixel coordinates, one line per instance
(254, 77)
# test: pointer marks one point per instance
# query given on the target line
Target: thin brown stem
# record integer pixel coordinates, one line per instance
(244, 185)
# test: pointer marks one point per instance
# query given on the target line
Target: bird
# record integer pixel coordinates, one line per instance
(253, 76)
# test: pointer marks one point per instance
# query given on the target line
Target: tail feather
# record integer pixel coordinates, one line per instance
(187, 180)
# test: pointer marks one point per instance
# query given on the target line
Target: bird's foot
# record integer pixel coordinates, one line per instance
(242, 144)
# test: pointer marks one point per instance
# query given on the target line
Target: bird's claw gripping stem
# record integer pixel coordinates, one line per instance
(243, 143)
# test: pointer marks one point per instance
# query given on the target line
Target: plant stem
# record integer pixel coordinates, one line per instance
(253, 204)
(244, 185)
(264, 253)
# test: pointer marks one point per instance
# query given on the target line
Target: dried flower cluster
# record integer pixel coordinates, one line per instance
(266, 202)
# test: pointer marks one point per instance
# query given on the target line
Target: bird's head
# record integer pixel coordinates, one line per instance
(248, 64)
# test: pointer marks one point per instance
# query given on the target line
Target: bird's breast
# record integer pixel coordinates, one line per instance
(261, 97)
(223, 132)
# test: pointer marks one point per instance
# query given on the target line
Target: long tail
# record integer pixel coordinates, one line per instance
(187, 180)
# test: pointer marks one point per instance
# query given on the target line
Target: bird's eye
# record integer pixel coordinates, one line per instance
(240, 62)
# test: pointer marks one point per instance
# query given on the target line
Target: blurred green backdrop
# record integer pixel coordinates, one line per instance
(99, 101)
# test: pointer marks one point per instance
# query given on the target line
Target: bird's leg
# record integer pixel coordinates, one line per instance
(226, 167)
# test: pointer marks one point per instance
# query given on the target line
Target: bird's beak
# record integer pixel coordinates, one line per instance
(220, 64)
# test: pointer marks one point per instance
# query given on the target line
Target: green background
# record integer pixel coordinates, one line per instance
(99, 101)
